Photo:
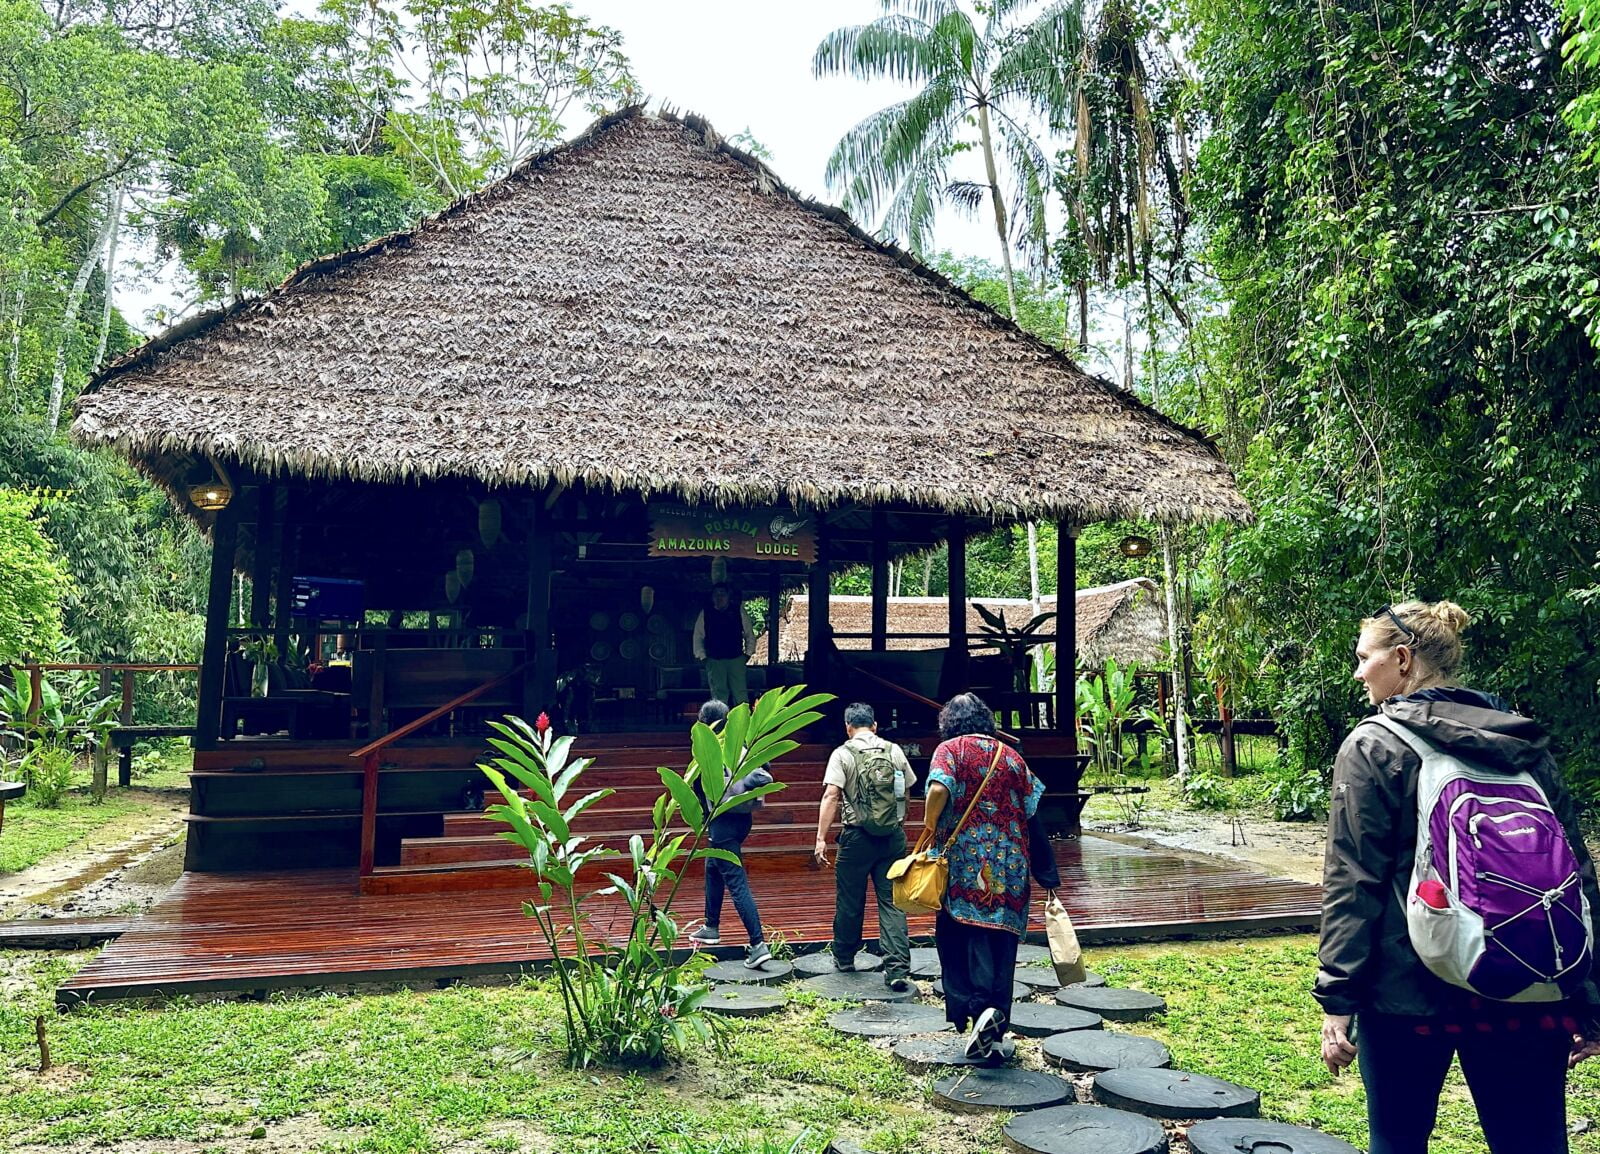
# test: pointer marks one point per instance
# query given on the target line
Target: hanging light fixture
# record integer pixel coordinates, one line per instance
(213, 493)
(489, 522)
(1136, 546)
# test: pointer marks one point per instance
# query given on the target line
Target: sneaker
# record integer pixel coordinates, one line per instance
(845, 967)
(898, 983)
(757, 955)
(706, 936)
(986, 1032)
(1004, 1050)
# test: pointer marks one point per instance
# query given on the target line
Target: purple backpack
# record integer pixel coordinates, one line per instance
(1517, 926)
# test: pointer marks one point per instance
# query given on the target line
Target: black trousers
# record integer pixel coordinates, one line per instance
(1518, 1080)
(978, 966)
(865, 857)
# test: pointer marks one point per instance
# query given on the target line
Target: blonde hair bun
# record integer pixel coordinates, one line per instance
(1449, 614)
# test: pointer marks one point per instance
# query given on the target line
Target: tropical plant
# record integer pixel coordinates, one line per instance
(69, 714)
(32, 581)
(1107, 702)
(47, 769)
(1017, 645)
(634, 1002)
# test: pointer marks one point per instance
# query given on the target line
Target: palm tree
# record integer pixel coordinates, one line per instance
(985, 80)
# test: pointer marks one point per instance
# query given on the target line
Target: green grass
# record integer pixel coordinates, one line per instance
(31, 834)
(480, 1068)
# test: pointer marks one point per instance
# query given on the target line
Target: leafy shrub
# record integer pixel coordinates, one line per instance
(1207, 791)
(1298, 796)
(631, 1003)
(47, 770)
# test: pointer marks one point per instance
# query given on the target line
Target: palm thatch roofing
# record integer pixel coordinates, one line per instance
(650, 310)
(1124, 622)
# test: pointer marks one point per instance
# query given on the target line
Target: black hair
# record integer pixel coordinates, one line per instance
(724, 586)
(963, 714)
(858, 715)
(713, 711)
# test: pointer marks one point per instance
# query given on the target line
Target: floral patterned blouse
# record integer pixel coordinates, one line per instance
(989, 860)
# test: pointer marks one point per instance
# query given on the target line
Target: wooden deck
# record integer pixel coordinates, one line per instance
(261, 931)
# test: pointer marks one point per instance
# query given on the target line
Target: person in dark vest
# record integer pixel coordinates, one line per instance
(724, 640)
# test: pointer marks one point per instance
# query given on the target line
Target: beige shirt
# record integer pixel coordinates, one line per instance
(842, 762)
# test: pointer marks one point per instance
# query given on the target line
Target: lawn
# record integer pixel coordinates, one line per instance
(479, 1068)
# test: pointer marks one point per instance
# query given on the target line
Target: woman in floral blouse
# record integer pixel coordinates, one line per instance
(985, 912)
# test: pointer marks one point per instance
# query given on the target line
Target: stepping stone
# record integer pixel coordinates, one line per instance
(1041, 1019)
(1006, 1088)
(1091, 981)
(770, 973)
(857, 987)
(1231, 1135)
(1030, 955)
(1175, 1094)
(924, 962)
(888, 1020)
(1090, 1051)
(821, 962)
(738, 1001)
(921, 1055)
(1044, 978)
(1085, 1130)
(1113, 1004)
(1019, 992)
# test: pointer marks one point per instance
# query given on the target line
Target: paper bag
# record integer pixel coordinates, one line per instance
(1064, 949)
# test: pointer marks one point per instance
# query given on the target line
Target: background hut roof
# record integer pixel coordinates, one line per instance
(1124, 621)
(649, 309)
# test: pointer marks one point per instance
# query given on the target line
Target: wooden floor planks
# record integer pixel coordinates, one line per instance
(311, 927)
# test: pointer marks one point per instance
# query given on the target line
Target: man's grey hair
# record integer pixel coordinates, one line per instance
(859, 715)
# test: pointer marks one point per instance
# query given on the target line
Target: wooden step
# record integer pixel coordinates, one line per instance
(779, 810)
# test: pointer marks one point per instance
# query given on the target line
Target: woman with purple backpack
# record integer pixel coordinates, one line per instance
(1459, 901)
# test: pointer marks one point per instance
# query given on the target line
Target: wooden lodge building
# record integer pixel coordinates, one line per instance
(495, 463)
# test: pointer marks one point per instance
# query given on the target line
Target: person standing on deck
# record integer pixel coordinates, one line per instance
(727, 832)
(724, 639)
(866, 784)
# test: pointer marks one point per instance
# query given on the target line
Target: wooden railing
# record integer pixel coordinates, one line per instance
(368, 754)
(912, 694)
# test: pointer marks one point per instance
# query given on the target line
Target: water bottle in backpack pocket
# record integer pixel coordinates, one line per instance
(1496, 902)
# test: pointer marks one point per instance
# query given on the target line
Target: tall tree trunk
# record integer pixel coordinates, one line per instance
(14, 353)
(1179, 647)
(109, 276)
(927, 574)
(69, 324)
(997, 202)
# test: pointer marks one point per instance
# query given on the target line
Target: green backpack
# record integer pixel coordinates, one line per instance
(877, 790)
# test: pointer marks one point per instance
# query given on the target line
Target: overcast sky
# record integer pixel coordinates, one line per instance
(742, 64)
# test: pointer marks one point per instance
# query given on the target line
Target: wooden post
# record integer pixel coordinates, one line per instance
(380, 665)
(369, 812)
(262, 559)
(819, 634)
(956, 672)
(774, 624)
(539, 682)
(35, 693)
(1067, 633)
(285, 549)
(880, 580)
(102, 747)
(214, 654)
(125, 718)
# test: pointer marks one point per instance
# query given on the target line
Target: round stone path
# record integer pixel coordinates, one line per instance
(857, 987)
(1041, 1019)
(1030, 955)
(920, 1055)
(1175, 1094)
(1090, 1051)
(1113, 1004)
(821, 962)
(770, 973)
(888, 1020)
(1091, 981)
(740, 1001)
(1231, 1135)
(984, 1088)
(924, 962)
(1019, 992)
(1084, 1130)
(1044, 978)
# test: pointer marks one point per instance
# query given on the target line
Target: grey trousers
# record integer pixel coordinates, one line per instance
(864, 856)
(727, 680)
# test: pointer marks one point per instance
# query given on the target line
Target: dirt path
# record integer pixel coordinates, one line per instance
(1285, 848)
(121, 868)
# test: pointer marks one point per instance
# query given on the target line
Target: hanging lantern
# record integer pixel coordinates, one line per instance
(489, 522)
(647, 599)
(211, 496)
(1136, 546)
(452, 587)
(466, 566)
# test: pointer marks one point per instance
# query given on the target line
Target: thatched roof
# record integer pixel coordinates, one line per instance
(651, 310)
(1124, 621)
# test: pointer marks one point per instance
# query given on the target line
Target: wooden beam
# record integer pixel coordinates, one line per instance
(263, 557)
(819, 587)
(1067, 632)
(214, 653)
(774, 618)
(539, 682)
(286, 550)
(956, 665)
(880, 580)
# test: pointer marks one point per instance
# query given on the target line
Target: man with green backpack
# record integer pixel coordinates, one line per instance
(865, 785)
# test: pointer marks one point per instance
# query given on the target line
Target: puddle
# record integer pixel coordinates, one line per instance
(122, 877)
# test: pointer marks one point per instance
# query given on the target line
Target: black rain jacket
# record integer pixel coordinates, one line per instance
(1365, 957)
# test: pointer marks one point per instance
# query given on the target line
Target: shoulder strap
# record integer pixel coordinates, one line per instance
(999, 750)
(1417, 744)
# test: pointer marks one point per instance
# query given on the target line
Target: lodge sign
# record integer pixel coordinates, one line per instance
(769, 534)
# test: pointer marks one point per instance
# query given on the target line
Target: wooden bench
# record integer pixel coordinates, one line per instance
(124, 737)
(9, 790)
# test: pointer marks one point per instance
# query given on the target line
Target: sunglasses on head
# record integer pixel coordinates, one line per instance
(1411, 634)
